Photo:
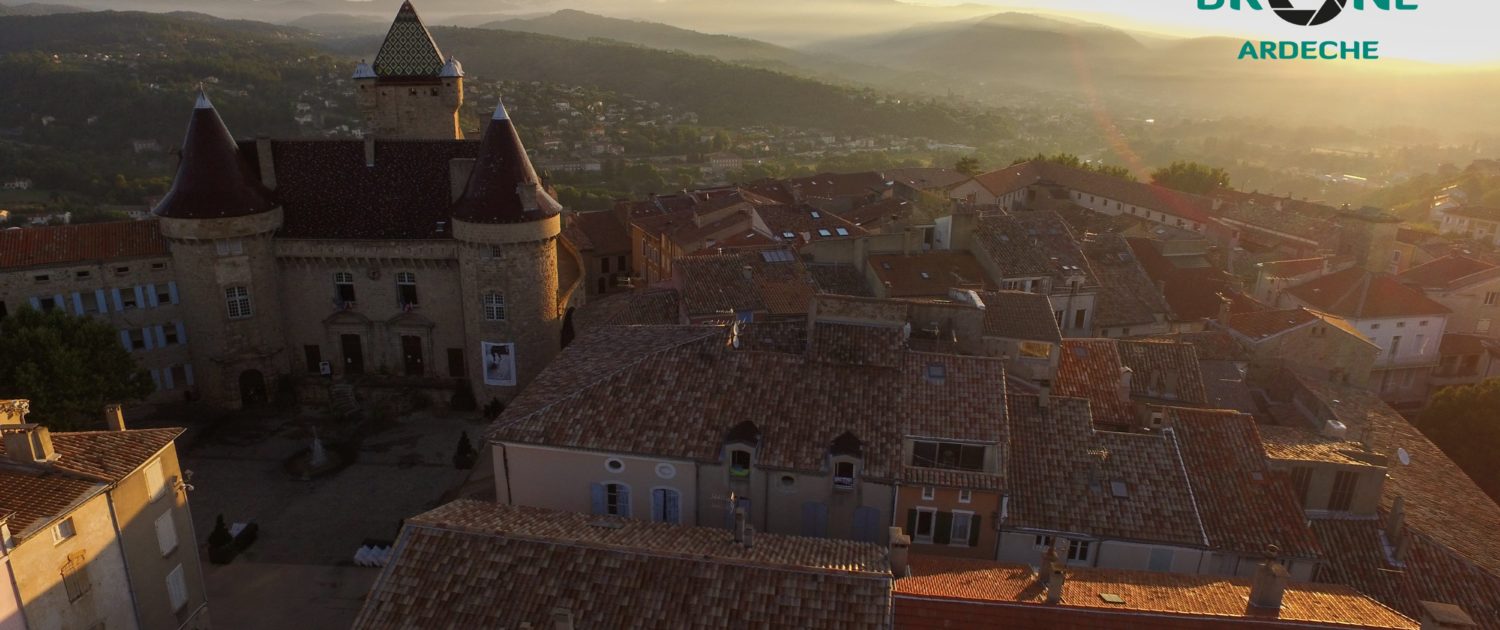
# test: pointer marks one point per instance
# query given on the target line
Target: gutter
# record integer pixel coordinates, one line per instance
(135, 605)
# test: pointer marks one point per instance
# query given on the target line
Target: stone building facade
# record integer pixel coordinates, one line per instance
(411, 254)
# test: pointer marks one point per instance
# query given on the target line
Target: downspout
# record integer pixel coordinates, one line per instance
(505, 462)
(135, 606)
(15, 587)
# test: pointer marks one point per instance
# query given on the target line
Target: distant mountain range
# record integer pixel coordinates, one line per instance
(37, 8)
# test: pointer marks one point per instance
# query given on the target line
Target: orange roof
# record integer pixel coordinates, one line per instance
(1448, 271)
(1359, 294)
(1292, 268)
(1264, 324)
(90, 242)
(982, 593)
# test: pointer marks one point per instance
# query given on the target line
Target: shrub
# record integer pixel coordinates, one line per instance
(464, 456)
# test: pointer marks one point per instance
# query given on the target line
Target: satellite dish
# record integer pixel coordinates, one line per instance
(1404, 456)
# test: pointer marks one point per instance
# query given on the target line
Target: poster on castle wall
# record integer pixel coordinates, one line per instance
(499, 363)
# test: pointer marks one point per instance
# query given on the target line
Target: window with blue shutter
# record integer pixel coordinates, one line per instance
(125, 340)
(815, 519)
(166, 379)
(103, 303)
(666, 506)
(172, 289)
(596, 498)
(119, 303)
(140, 296)
(187, 374)
(161, 336)
(77, 303)
(866, 524)
(156, 378)
(181, 332)
(151, 296)
(147, 336)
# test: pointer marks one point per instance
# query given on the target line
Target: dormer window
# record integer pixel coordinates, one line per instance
(843, 475)
(816, 215)
(739, 463)
(948, 455)
(739, 449)
(824, 232)
(846, 452)
(841, 231)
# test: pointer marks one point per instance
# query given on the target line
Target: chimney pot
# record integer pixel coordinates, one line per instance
(900, 547)
(749, 536)
(1269, 584)
(1044, 397)
(562, 619)
(14, 411)
(1127, 375)
(739, 525)
(114, 417)
(1055, 585)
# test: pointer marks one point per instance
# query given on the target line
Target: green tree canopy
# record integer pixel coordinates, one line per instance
(1465, 423)
(1191, 177)
(69, 367)
(969, 166)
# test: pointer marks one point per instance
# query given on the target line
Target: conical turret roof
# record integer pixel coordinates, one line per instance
(213, 180)
(409, 50)
(503, 187)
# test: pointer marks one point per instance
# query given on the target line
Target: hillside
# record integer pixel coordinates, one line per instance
(580, 25)
(37, 8)
(720, 93)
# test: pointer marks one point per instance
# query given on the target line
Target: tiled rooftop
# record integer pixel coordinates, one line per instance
(606, 233)
(34, 497)
(1358, 294)
(1033, 244)
(471, 564)
(1151, 600)
(86, 459)
(928, 274)
(744, 282)
(648, 307)
(1163, 370)
(1448, 272)
(1127, 295)
(1158, 198)
(679, 394)
(1258, 326)
(1090, 369)
(839, 279)
(89, 242)
(1019, 315)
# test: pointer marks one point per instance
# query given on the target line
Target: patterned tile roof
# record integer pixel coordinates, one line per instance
(1448, 272)
(935, 596)
(109, 455)
(35, 497)
(678, 396)
(1358, 294)
(928, 274)
(1127, 295)
(865, 185)
(952, 478)
(328, 191)
(90, 242)
(1032, 244)
(408, 49)
(1090, 369)
(1019, 315)
(648, 307)
(1359, 555)
(1441, 501)
(806, 223)
(839, 279)
(1258, 326)
(1244, 505)
(471, 564)
(1163, 370)
(1071, 471)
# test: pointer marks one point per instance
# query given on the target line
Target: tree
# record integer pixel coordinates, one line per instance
(69, 367)
(968, 166)
(1465, 423)
(1191, 177)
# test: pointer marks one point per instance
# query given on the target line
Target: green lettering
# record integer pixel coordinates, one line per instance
(1248, 50)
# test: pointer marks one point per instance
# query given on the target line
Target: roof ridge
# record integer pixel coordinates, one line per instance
(493, 428)
(1187, 480)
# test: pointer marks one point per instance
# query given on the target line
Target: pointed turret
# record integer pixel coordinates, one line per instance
(452, 69)
(503, 187)
(409, 50)
(213, 179)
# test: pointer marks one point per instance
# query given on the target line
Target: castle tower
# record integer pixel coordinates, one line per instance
(410, 92)
(220, 220)
(508, 228)
(1369, 235)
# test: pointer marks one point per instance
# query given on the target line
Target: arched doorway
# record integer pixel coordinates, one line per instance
(252, 389)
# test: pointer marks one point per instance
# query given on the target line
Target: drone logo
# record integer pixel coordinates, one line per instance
(1308, 17)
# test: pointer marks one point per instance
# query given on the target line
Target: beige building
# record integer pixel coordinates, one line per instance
(99, 529)
(411, 256)
(1308, 340)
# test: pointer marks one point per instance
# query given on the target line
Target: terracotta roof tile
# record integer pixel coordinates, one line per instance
(109, 455)
(648, 307)
(1032, 244)
(1358, 294)
(980, 593)
(1265, 324)
(1292, 268)
(1127, 295)
(606, 234)
(35, 497)
(1163, 370)
(1090, 369)
(1019, 315)
(778, 283)
(90, 242)
(928, 274)
(1449, 271)
(839, 279)
(472, 564)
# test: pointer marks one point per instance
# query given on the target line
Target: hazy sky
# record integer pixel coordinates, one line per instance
(1445, 31)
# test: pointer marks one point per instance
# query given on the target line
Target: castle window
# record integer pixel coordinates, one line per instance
(343, 285)
(229, 248)
(494, 307)
(237, 299)
(406, 288)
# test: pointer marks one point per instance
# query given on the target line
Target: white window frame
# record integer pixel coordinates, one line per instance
(622, 509)
(965, 496)
(916, 535)
(929, 493)
(408, 279)
(237, 302)
(494, 307)
(58, 534)
(177, 592)
(967, 519)
(1042, 541)
(156, 480)
(1080, 551)
(229, 247)
(166, 533)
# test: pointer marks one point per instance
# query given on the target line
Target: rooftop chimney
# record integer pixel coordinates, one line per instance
(1269, 583)
(1395, 520)
(1055, 585)
(14, 411)
(749, 536)
(1126, 376)
(1044, 395)
(562, 619)
(900, 547)
(1438, 616)
(739, 525)
(114, 417)
(1048, 565)
(1224, 304)
(29, 444)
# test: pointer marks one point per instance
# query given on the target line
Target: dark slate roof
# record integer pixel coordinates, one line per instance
(503, 188)
(328, 192)
(213, 179)
(408, 50)
(1019, 315)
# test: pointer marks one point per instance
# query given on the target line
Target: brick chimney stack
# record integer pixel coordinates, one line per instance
(900, 548)
(1269, 584)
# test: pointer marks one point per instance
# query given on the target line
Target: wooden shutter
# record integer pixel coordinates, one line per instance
(974, 522)
(596, 492)
(942, 529)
